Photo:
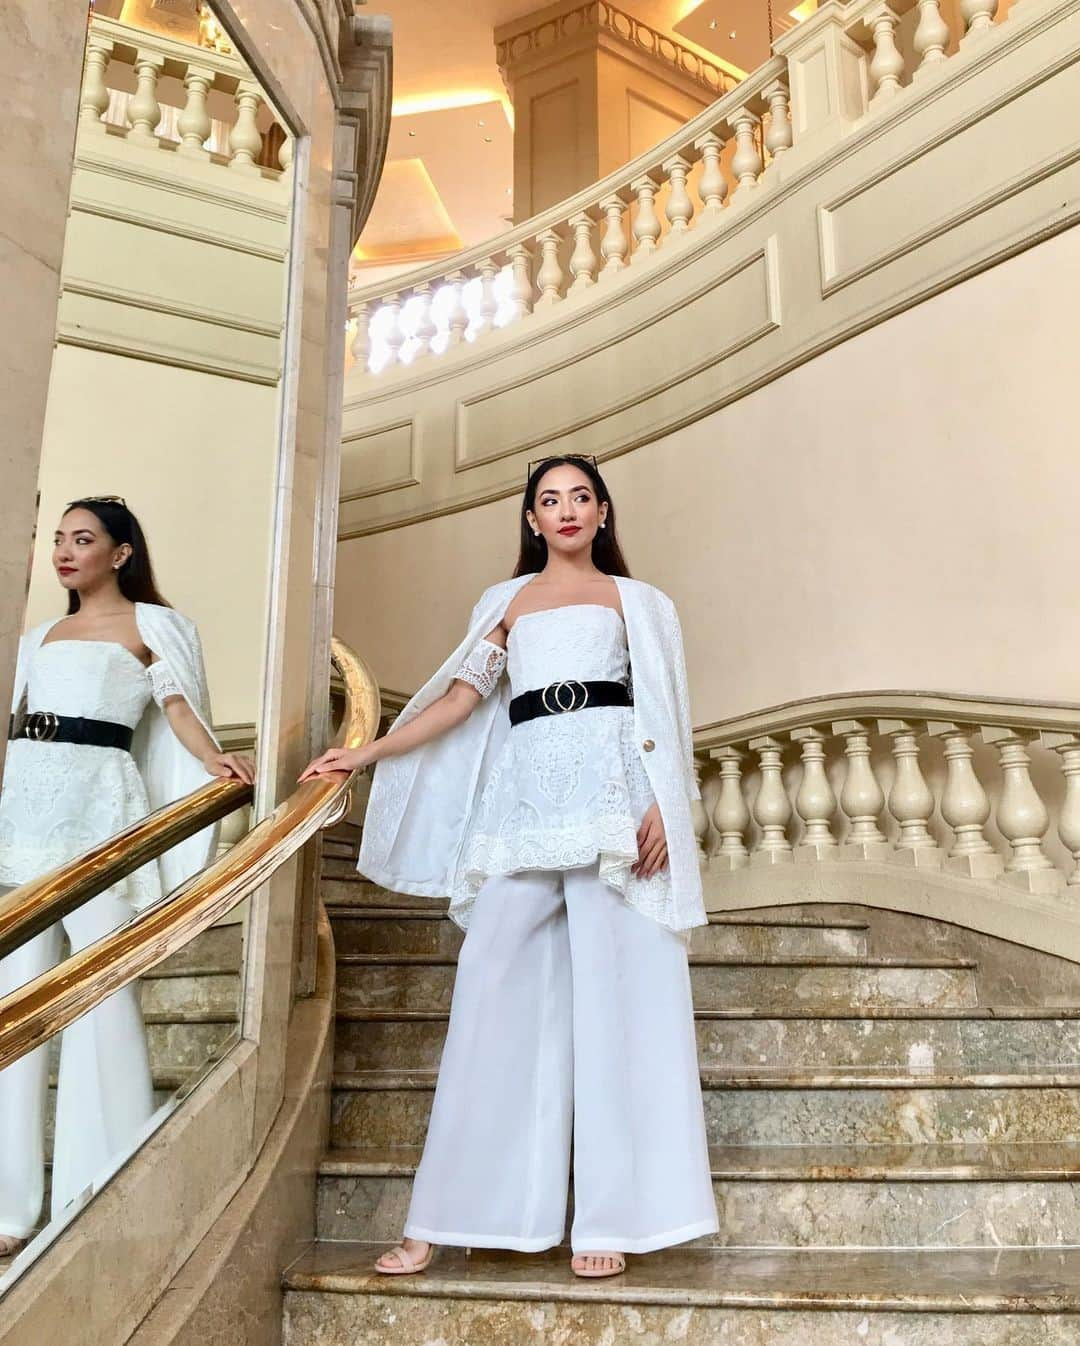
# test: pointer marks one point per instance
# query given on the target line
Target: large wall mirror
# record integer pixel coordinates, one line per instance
(163, 419)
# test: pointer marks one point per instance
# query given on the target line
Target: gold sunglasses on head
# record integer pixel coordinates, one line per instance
(573, 457)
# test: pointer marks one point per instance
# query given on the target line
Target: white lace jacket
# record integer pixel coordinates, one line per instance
(421, 801)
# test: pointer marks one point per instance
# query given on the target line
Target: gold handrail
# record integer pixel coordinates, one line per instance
(34, 906)
(41, 1008)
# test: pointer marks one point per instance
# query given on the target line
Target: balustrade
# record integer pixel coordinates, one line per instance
(608, 230)
(143, 119)
(903, 800)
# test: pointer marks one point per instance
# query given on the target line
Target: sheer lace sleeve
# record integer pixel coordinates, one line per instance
(162, 682)
(483, 666)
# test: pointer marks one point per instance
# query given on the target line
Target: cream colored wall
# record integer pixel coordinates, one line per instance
(897, 513)
(195, 457)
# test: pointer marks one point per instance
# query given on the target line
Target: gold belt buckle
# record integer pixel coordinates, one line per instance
(572, 684)
(42, 726)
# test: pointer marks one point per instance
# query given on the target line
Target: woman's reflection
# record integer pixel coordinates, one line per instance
(111, 719)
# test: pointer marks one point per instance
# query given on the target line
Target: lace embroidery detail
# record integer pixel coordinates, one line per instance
(566, 790)
(59, 799)
(162, 682)
(482, 666)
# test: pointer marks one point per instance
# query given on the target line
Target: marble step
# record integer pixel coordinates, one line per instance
(799, 1196)
(703, 1297)
(350, 890)
(370, 1039)
(414, 981)
(218, 949)
(390, 931)
(181, 1042)
(165, 991)
(827, 1107)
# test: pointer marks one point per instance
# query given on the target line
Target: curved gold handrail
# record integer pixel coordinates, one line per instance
(41, 1008)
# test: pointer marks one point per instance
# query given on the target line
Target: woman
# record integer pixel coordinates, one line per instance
(110, 719)
(556, 815)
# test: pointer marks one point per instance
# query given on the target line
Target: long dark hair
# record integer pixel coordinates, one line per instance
(606, 552)
(136, 575)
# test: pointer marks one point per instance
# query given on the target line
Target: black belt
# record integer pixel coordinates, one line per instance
(559, 697)
(43, 726)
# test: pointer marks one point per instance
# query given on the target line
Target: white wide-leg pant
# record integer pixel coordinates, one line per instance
(105, 1090)
(571, 1014)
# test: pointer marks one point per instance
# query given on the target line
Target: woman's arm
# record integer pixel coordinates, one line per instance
(451, 709)
(187, 727)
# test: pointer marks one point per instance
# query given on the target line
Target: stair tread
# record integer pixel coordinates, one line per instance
(696, 960)
(921, 1013)
(1006, 1161)
(841, 1077)
(429, 911)
(1010, 1280)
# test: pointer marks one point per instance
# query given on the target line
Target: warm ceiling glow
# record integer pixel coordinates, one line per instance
(683, 8)
(443, 102)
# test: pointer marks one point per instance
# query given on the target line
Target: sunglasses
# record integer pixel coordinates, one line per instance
(101, 500)
(573, 457)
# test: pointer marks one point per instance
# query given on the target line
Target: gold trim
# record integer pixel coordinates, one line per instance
(35, 1012)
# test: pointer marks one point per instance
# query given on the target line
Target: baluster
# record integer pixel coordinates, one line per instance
(731, 817)
(978, 17)
(861, 797)
(779, 136)
(285, 154)
(521, 290)
(815, 802)
(887, 65)
(245, 142)
(488, 303)
(698, 815)
(965, 805)
(458, 316)
(144, 110)
(713, 183)
(646, 228)
(746, 164)
(549, 277)
(613, 248)
(582, 259)
(94, 95)
(395, 336)
(911, 801)
(426, 329)
(1067, 747)
(931, 37)
(361, 342)
(194, 122)
(1022, 817)
(679, 209)
(772, 808)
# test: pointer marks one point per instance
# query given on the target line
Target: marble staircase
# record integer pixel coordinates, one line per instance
(893, 1108)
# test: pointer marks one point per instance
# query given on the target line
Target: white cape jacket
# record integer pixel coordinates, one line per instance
(421, 802)
(168, 770)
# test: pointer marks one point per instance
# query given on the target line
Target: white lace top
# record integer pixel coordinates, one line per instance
(59, 799)
(565, 789)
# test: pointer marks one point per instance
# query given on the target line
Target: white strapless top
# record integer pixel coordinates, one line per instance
(566, 789)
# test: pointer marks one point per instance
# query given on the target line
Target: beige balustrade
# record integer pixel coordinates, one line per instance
(910, 793)
(188, 129)
(846, 62)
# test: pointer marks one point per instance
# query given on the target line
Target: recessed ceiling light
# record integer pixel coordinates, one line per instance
(412, 133)
(732, 34)
(481, 123)
(714, 23)
(487, 140)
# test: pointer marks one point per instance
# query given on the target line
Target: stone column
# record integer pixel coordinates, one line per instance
(41, 62)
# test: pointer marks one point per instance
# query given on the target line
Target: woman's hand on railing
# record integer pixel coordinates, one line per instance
(338, 759)
(230, 764)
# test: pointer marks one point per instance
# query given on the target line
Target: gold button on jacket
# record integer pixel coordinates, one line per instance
(648, 745)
